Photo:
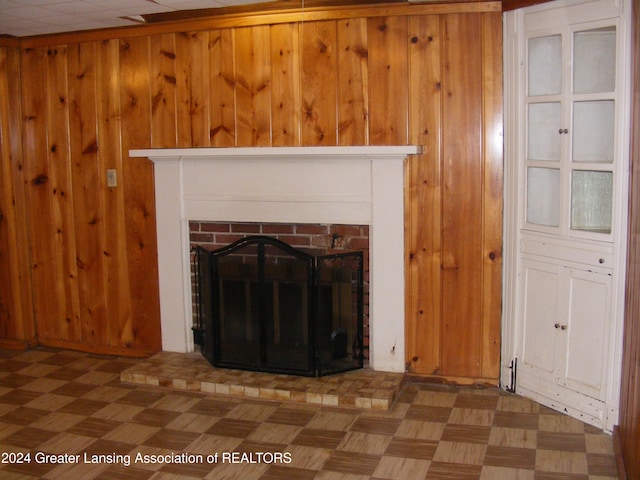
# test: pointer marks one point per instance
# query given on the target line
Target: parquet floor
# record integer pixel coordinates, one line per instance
(68, 415)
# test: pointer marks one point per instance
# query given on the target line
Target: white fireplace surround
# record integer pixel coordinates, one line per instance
(332, 185)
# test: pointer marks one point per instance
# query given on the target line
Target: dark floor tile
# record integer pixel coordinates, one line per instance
(93, 427)
(382, 426)
(15, 380)
(428, 413)
(566, 442)
(155, 417)
(528, 421)
(453, 471)
(350, 462)
(602, 464)
(511, 457)
(73, 389)
(231, 427)
(83, 406)
(110, 447)
(27, 437)
(60, 358)
(187, 470)
(292, 416)
(12, 365)
(213, 407)
(277, 472)
(120, 472)
(410, 448)
(141, 397)
(559, 476)
(171, 439)
(466, 433)
(68, 374)
(115, 366)
(19, 397)
(24, 416)
(478, 401)
(311, 437)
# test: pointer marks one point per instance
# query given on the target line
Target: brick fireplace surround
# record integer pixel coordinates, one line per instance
(301, 185)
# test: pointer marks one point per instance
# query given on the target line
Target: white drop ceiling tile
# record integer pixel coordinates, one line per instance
(120, 4)
(68, 20)
(76, 7)
(26, 11)
(6, 5)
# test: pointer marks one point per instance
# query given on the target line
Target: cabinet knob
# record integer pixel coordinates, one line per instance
(561, 327)
(563, 130)
(601, 261)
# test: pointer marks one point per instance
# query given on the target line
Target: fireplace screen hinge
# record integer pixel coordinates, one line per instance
(263, 305)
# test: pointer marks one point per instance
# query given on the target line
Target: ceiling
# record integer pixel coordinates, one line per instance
(21, 18)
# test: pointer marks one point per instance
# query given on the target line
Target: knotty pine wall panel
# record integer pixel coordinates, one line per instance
(462, 191)
(17, 327)
(379, 80)
(423, 191)
(353, 82)
(319, 92)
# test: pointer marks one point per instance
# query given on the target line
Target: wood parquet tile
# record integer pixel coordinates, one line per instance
(70, 415)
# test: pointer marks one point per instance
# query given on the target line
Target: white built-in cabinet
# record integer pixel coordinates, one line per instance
(566, 150)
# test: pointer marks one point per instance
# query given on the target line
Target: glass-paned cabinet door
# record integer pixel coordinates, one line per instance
(543, 196)
(593, 131)
(544, 73)
(594, 60)
(591, 201)
(570, 97)
(544, 120)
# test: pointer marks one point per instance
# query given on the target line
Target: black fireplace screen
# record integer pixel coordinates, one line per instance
(263, 305)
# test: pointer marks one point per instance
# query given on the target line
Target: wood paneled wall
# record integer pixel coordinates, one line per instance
(366, 77)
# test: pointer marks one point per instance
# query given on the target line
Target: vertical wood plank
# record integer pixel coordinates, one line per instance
(285, 85)
(11, 318)
(462, 196)
(16, 214)
(423, 204)
(138, 191)
(62, 208)
(116, 269)
(252, 86)
(388, 83)
(46, 302)
(192, 89)
(222, 130)
(353, 82)
(87, 192)
(318, 63)
(163, 91)
(492, 193)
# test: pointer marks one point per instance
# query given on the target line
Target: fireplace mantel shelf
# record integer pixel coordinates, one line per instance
(383, 151)
(352, 185)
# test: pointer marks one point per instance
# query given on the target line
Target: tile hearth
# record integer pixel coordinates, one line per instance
(363, 388)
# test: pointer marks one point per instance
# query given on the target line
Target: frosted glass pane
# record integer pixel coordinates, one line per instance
(545, 65)
(543, 196)
(543, 139)
(593, 131)
(591, 201)
(594, 60)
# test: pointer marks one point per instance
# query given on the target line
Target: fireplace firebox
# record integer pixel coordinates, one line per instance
(263, 305)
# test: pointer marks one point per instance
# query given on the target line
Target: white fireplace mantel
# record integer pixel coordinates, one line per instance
(337, 185)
